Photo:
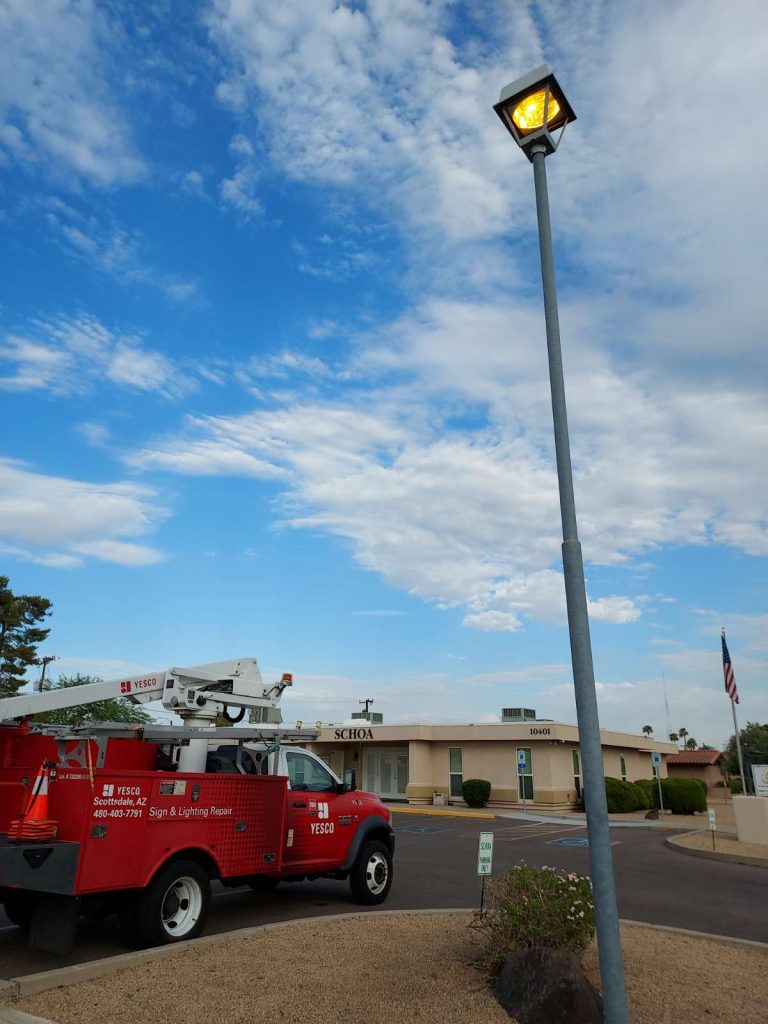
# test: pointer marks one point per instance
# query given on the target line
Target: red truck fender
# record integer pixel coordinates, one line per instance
(374, 827)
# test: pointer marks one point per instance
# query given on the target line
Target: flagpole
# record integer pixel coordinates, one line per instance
(738, 750)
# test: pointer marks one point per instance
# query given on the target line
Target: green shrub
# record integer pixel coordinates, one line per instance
(531, 907)
(683, 796)
(736, 786)
(623, 797)
(643, 800)
(719, 784)
(476, 792)
(704, 786)
(651, 790)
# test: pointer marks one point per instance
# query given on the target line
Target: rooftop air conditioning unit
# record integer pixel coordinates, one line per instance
(518, 715)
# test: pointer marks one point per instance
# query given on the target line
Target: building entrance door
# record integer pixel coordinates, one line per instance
(386, 773)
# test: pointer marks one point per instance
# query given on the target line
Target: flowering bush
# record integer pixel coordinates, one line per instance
(535, 907)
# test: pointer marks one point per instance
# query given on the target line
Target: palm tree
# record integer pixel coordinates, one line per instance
(673, 737)
(691, 744)
(647, 730)
(681, 734)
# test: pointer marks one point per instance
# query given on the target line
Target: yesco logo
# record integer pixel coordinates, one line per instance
(323, 827)
(108, 789)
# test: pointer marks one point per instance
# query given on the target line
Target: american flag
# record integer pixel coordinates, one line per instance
(730, 682)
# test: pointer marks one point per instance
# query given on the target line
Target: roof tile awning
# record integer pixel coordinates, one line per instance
(696, 757)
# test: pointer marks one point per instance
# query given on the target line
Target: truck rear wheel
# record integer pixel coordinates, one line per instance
(18, 908)
(175, 904)
(371, 876)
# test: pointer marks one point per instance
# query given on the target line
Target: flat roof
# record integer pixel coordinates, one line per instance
(539, 730)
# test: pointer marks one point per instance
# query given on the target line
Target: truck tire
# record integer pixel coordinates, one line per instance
(175, 904)
(371, 876)
(18, 908)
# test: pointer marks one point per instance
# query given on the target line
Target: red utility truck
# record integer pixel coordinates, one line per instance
(139, 820)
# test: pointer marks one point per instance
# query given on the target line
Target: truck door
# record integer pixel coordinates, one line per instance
(314, 839)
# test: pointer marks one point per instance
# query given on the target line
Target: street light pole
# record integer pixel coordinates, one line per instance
(598, 828)
(532, 109)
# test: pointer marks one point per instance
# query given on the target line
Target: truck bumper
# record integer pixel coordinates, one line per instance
(39, 867)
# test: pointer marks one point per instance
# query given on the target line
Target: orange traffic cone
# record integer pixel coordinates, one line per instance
(34, 822)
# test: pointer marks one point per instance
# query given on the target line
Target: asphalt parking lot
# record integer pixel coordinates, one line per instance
(435, 867)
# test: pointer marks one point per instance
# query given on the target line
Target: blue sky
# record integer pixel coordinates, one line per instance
(272, 356)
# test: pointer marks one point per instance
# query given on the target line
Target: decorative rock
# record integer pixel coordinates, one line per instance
(653, 814)
(546, 986)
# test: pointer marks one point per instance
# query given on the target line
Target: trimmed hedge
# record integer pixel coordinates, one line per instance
(736, 786)
(476, 792)
(683, 796)
(650, 790)
(623, 797)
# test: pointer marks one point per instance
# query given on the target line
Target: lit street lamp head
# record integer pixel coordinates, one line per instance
(532, 108)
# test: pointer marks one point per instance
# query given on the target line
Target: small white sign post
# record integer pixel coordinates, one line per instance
(712, 825)
(521, 765)
(484, 861)
(656, 762)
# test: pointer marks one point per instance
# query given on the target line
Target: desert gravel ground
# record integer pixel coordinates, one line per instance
(407, 968)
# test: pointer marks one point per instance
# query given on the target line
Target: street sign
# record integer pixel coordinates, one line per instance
(712, 823)
(521, 761)
(656, 759)
(485, 853)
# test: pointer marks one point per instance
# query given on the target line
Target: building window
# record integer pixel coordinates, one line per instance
(623, 764)
(525, 774)
(577, 773)
(456, 770)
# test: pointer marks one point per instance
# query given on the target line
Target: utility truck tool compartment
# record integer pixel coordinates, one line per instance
(120, 826)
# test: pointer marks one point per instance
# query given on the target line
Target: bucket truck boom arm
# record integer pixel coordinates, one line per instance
(197, 694)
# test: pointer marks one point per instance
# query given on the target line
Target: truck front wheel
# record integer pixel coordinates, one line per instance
(371, 876)
(175, 904)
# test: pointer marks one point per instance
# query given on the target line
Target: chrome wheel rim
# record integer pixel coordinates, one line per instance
(182, 904)
(376, 873)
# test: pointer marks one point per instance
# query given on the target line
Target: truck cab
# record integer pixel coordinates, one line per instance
(328, 822)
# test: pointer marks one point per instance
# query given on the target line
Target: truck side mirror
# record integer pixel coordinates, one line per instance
(350, 780)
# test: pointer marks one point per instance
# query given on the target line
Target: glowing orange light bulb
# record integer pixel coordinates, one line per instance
(529, 113)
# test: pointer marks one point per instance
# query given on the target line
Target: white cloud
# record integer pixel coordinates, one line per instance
(491, 622)
(112, 250)
(239, 191)
(56, 106)
(70, 356)
(57, 521)
(193, 184)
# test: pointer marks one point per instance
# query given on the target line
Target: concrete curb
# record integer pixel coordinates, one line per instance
(10, 1016)
(728, 858)
(544, 819)
(17, 988)
(726, 939)
(442, 813)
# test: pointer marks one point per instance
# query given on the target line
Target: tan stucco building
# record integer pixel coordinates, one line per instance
(424, 764)
(704, 765)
